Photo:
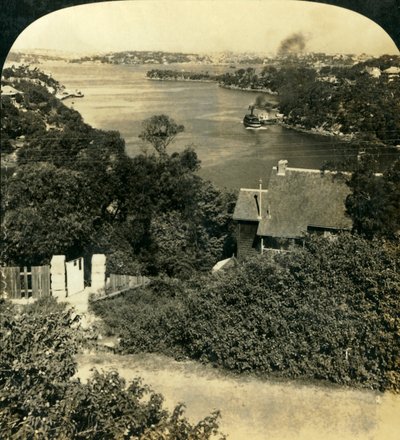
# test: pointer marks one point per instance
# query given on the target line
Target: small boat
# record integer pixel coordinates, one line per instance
(251, 120)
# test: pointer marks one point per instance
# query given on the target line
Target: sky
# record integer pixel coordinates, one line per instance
(205, 26)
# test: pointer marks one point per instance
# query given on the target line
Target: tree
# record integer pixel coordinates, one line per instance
(170, 203)
(374, 204)
(48, 211)
(174, 252)
(160, 131)
(75, 191)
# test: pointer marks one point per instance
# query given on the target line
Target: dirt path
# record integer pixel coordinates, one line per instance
(256, 409)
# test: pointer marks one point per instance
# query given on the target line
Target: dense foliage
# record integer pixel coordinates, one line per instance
(149, 319)
(40, 398)
(160, 131)
(74, 191)
(176, 75)
(329, 311)
(374, 202)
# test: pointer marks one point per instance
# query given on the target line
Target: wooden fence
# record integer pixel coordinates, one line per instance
(26, 282)
(117, 284)
(35, 282)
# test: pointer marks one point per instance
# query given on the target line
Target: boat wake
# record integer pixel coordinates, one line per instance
(256, 128)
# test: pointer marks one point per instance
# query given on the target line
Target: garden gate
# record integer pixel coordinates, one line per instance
(75, 276)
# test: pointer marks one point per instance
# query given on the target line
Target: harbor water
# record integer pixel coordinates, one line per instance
(120, 97)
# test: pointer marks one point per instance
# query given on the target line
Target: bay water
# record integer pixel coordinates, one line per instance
(120, 97)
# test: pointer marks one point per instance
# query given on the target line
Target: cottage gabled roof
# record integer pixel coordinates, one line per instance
(246, 208)
(299, 198)
(392, 70)
(8, 91)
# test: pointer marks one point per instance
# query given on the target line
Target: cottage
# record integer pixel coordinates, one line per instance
(248, 213)
(9, 91)
(375, 72)
(392, 72)
(298, 201)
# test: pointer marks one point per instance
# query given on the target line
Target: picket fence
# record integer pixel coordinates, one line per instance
(38, 281)
(117, 284)
(26, 282)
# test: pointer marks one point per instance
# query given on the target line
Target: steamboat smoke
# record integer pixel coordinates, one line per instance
(261, 102)
(292, 44)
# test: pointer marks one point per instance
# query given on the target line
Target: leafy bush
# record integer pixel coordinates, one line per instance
(40, 399)
(145, 319)
(329, 311)
(36, 363)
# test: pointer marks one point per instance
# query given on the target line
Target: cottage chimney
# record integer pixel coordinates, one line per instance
(282, 164)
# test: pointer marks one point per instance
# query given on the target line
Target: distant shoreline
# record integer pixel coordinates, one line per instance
(248, 89)
(182, 80)
(325, 133)
(231, 87)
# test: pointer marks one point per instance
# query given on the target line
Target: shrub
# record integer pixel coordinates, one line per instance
(329, 311)
(146, 319)
(40, 399)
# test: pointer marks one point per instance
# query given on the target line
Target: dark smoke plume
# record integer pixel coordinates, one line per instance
(292, 44)
(262, 102)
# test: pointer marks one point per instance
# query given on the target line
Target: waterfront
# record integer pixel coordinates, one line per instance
(119, 97)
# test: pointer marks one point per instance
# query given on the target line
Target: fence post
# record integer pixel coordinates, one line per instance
(98, 272)
(25, 283)
(10, 282)
(36, 281)
(57, 270)
(40, 281)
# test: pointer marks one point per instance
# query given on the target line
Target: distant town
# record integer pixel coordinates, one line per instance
(161, 57)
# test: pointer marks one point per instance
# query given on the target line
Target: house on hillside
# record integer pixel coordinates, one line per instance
(392, 72)
(298, 201)
(249, 207)
(9, 91)
(375, 72)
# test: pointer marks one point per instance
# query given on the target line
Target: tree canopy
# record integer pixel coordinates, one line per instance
(160, 131)
(74, 190)
(374, 203)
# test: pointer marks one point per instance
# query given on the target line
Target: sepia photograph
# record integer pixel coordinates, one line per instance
(200, 223)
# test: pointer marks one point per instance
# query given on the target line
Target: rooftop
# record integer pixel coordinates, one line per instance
(299, 198)
(392, 70)
(246, 208)
(8, 91)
